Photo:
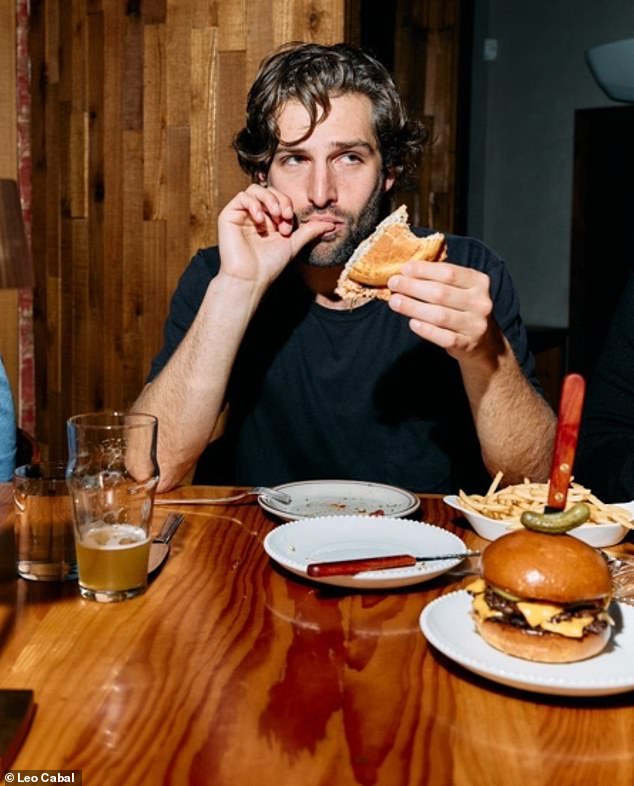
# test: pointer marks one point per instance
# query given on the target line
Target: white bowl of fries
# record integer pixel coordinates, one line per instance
(499, 510)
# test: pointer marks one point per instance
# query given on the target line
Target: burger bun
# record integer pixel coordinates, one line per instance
(545, 567)
(383, 254)
(543, 647)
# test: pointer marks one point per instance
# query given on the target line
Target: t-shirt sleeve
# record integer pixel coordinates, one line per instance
(506, 306)
(184, 305)
(7, 428)
(507, 313)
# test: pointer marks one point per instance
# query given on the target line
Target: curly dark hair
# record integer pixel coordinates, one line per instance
(312, 74)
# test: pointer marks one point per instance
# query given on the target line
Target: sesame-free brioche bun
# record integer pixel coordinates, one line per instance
(383, 254)
(546, 567)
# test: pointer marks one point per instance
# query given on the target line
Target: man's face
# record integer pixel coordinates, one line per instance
(335, 175)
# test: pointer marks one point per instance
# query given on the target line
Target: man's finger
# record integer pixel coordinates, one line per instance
(308, 231)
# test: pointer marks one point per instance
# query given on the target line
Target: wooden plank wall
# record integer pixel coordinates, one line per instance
(134, 106)
(426, 67)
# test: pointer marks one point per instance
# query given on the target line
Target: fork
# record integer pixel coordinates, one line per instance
(274, 494)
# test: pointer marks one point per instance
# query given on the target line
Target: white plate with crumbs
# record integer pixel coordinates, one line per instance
(446, 624)
(297, 544)
(315, 498)
(597, 535)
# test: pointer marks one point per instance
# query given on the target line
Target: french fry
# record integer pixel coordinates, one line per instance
(508, 503)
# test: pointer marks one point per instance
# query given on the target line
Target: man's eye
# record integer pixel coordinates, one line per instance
(291, 160)
(351, 158)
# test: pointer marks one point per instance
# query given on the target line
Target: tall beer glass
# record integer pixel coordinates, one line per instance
(112, 475)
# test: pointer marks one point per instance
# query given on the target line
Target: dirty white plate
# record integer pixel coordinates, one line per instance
(298, 543)
(314, 498)
(597, 535)
(446, 624)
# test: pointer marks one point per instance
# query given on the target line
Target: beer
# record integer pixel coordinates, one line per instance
(113, 558)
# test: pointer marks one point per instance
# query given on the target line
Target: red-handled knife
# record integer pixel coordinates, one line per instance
(570, 407)
(348, 567)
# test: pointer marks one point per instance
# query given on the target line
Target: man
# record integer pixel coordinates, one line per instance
(428, 391)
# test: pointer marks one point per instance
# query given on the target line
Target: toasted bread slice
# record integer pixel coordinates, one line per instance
(390, 251)
(383, 254)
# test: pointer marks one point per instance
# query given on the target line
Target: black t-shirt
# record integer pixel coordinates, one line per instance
(319, 393)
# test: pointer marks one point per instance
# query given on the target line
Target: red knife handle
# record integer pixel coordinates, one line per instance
(567, 434)
(348, 567)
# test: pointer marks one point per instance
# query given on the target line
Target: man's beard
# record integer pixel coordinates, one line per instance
(331, 253)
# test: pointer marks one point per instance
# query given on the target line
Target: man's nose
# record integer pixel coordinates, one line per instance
(322, 186)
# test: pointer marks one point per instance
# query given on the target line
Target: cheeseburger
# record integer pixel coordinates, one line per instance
(383, 254)
(543, 597)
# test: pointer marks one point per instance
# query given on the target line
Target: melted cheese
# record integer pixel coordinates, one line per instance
(482, 608)
(476, 586)
(538, 613)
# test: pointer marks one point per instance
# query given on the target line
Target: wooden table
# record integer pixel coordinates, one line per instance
(228, 671)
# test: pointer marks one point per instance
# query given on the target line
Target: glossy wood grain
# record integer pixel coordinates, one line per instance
(229, 671)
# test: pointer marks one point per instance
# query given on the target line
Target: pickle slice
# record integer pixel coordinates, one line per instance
(504, 594)
(556, 523)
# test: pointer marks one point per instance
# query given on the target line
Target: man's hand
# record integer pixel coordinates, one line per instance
(449, 305)
(257, 234)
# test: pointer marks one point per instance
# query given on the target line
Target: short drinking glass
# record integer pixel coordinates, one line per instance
(112, 475)
(43, 523)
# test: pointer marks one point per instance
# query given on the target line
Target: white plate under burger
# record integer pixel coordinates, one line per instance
(597, 535)
(297, 544)
(313, 498)
(446, 624)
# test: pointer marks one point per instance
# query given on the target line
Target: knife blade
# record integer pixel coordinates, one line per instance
(566, 436)
(16, 712)
(349, 567)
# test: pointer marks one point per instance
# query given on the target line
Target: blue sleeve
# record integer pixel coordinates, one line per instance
(7, 428)
(184, 305)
